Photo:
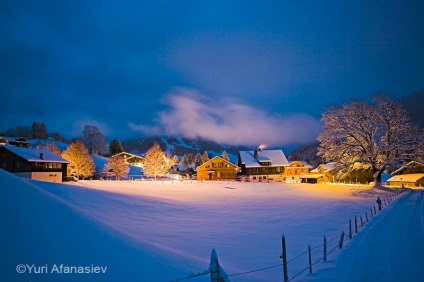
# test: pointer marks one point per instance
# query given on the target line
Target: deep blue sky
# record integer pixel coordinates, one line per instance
(132, 66)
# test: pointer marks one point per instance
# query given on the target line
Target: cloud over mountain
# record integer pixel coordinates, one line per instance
(191, 114)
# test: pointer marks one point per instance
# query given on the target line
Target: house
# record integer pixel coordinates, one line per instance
(323, 173)
(19, 142)
(131, 159)
(412, 180)
(31, 163)
(262, 165)
(410, 168)
(216, 168)
(293, 172)
(410, 175)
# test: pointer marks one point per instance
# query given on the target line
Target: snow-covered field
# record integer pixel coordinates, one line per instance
(154, 231)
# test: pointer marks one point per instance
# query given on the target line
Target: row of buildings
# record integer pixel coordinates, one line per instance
(253, 166)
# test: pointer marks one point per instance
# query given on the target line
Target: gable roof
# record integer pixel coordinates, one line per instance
(325, 167)
(127, 155)
(33, 155)
(414, 177)
(276, 157)
(216, 158)
(408, 165)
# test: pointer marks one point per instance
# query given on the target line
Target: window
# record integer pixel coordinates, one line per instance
(220, 165)
(214, 165)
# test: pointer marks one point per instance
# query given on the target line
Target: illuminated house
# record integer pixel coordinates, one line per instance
(31, 163)
(296, 169)
(216, 168)
(323, 173)
(262, 165)
(131, 159)
(410, 175)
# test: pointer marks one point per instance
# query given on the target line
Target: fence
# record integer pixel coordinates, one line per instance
(217, 274)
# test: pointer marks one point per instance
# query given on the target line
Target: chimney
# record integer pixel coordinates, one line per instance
(41, 156)
(255, 154)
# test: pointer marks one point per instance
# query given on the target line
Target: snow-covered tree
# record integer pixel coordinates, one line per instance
(175, 159)
(378, 133)
(116, 167)
(205, 157)
(198, 160)
(80, 162)
(225, 156)
(93, 139)
(53, 148)
(184, 160)
(155, 162)
(115, 147)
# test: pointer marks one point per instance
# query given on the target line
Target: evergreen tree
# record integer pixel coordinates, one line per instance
(205, 157)
(39, 130)
(176, 161)
(155, 162)
(80, 162)
(225, 156)
(198, 160)
(116, 167)
(185, 161)
(115, 147)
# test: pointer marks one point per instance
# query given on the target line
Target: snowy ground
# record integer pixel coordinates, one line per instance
(147, 231)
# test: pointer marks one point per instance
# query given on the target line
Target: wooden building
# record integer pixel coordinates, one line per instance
(216, 168)
(410, 175)
(413, 180)
(262, 165)
(296, 169)
(131, 159)
(31, 163)
(323, 173)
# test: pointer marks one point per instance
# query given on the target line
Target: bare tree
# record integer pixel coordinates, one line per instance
(94, 139)
(80, 162)
(155, 162)
(53, 148)
(378, 133)
(116, 167)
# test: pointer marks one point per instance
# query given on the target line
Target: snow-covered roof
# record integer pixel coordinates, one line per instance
(276, 157)
(404, 167)
(33, 155)
(325, 167)
(414, 177)
(303, 162)
(218, 158)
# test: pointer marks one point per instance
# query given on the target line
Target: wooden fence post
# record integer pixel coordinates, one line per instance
(350, 228)
(325, 249)
(284, 257)
(366, 216)
(310, 258)
(356, 226)
(362, 223)
(341, 240)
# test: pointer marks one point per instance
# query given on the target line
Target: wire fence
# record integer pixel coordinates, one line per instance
(355, 226)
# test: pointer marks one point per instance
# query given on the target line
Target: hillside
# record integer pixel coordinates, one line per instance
(174, 145)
